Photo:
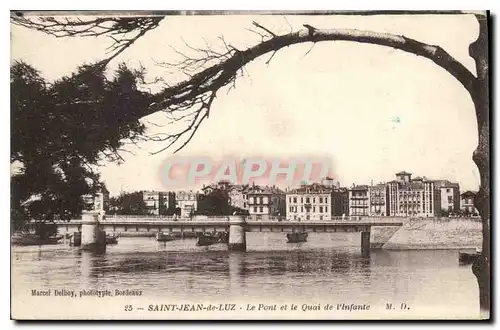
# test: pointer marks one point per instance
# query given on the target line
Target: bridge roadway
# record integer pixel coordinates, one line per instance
(148, 226)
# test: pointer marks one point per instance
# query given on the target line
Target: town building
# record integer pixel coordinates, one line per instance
(222, 185)
(450, 196)
(151, 200)
(340, 201)
(416, 197)
(378, 200)
(359, 201)
(187, 201)
(237, 195)
(467, 203)
(330, 182)
(265, 201)
(309, 203)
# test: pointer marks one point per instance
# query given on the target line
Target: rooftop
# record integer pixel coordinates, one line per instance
(256, 189)
(361, 187)
(403, 173)
(314, 188)
(468, 193)
(445, 184)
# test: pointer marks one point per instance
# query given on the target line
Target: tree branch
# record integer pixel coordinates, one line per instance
(224, 73)
(215, 70)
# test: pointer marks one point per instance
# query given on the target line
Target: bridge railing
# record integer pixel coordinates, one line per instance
(146, 218)
(250, 218)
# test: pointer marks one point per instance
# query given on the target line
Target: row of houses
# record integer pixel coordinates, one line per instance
(257, 200)
(404, 196)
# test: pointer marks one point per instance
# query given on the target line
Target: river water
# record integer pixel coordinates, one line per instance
(329, 267)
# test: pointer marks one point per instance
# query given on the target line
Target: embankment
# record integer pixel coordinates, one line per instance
(429, 233)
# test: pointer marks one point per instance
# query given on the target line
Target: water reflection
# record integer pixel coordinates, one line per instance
(270, 269)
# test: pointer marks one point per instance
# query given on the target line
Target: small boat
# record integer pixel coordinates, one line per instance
(467, 258)
(112, 239)
(296, 237)
(223, 237)
(32, 239)
(207, 239)
(162, 237)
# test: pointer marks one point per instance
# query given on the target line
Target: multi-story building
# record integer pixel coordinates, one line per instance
(416, 197)
(157, 202)
(330, 182)
(238, 196)
(222, 185)
(265, 201)
(359, 201)
(152, 201)
(187, 201)
(449, 194)
(378, 200)
(467, 203)
(309, 203)
(340, 201)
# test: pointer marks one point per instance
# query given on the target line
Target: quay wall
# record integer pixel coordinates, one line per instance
(430, 233)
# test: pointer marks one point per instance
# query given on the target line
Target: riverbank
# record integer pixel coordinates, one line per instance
(429, 234)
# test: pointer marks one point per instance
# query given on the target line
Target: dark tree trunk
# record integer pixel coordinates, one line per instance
(479, 51)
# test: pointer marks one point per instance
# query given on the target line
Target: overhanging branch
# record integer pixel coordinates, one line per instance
(211, 79)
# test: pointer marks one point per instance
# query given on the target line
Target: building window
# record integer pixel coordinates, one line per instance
(326, 209)
(326, 199)
(301, 209)
(261, 209)
(321, 217)
(261, 200)
(314, 208)
(321, 199)
(295, 199)
(321, 209)
(450, 199)
(301, 200)
(448, 190)
(308, 217)
(255, 209)
(290, 199)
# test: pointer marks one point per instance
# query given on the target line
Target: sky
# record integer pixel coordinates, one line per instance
(372, 110)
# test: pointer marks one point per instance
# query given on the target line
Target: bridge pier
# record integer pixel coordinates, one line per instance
(237, 233)
(365, 243)
(93, 238)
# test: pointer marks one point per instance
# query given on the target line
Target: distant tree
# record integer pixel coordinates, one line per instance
(168, 211)
(214, 203)
(129, 204)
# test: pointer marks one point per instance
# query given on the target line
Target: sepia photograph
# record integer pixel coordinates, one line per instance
(250, 165)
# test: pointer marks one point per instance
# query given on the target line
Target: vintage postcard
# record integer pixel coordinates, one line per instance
(219, 165)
